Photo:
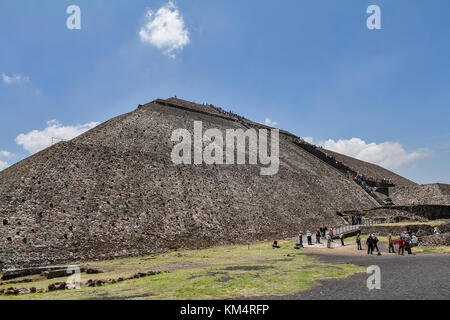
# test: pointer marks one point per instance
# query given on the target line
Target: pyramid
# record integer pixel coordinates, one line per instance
(114, 192)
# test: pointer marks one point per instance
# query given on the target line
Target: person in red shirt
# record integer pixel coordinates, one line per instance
(401, 246)
(331, 234)
(318, 236)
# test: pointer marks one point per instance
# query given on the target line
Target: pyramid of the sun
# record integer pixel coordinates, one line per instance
(114, 192)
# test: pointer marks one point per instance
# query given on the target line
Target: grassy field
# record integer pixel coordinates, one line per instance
(437, 249)
(433, 223)
(218, 273)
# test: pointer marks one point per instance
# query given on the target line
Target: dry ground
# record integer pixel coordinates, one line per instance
(218, 273)
(234, 272)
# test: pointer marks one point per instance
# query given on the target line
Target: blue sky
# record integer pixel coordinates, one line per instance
(311, 66)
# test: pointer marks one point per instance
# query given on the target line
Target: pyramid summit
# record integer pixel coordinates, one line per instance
(115, 192)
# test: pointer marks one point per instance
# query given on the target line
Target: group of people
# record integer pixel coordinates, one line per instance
(364, 180)
(359, 180)
(321, 233)
(355, 220)
(371, 242)
(230, 113)
(405, 242)
(331, 160)
(350, 173)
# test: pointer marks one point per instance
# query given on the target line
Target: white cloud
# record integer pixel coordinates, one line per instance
(36, 140)
(165, 29)
(15, 79)
(6, 154)
(390, 155)
(270, 123)
(3, 165)
(309, 139)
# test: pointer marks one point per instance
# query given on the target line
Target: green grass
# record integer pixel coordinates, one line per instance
(364, 238)
(434, 223)
(204, 274)
(436, 249)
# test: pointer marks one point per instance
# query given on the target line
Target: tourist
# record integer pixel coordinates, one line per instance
(341, 236)
(391, 244)
(328, 241)
(318, 236)
(375, 243)
(324, 231)
(300, 239)
(331, 234)
(414, 241)
(436, 230)
(408, 244)
(275, 245)
(309, 237)
(369, 243)
(401, 245)
(358, 241)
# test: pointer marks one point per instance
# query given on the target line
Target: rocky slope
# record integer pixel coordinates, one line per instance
(115, 192)
(429, 194)
(372, 170)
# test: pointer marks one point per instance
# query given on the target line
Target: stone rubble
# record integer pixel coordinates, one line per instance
(435, 240)
(64, 286)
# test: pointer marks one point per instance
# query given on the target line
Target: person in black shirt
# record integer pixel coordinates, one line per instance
(375, 243)
(324, 231)
(369, 243)
(358, 242)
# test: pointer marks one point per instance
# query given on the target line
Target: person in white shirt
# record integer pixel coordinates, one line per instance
(328, 240)
(341, 236)
(309, 237)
